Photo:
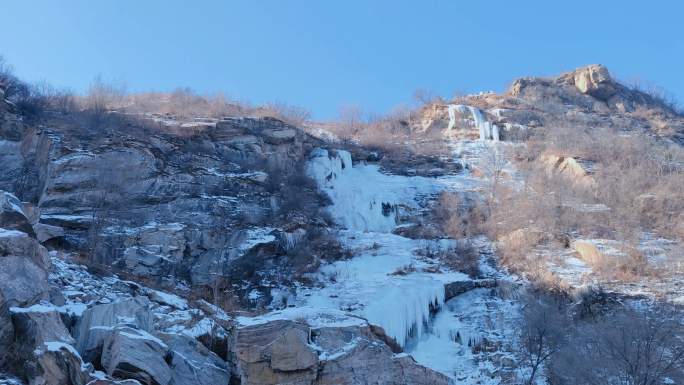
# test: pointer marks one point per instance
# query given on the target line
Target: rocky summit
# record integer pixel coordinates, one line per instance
(486, 239)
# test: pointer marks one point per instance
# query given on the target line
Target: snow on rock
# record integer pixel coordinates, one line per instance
(316, 317)
(168, 299)
(256, 236)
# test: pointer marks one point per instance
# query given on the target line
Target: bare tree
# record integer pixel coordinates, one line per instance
(542, 333)
(627, 347)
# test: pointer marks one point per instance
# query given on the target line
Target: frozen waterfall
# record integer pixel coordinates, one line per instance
(366, 202)
(487, 130)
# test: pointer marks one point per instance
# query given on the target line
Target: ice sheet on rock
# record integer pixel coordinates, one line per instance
(168, 299)
(363, 198)
(371, 285)
(464, 322)
(487, 130)
(5, 233)
(315, 317)
(256, 237)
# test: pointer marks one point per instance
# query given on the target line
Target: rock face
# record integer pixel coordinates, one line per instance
(274, 353)
(17, 243)
(577, 170)
(136, 354)
(43, 348)
(290, 352)
(595, 80)
(12, 215)
(165, 206)
(193, 364)
(97, 323)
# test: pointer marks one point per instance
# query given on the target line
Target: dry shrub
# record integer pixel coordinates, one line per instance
(640, 180)
(460, 216)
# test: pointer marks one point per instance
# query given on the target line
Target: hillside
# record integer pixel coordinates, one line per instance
(528, 237)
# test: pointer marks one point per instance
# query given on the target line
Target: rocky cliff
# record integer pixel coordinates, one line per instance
(149, 249)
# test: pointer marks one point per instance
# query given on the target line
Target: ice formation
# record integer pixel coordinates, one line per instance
(363, 198)
(366, 202)
(487, 130)
(403, 308)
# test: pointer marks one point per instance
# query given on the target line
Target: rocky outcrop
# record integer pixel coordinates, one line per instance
(579, 171)
(43, 348)
(454, 289)
(290, 352)
(274, 353)
(599, 253)
(193, 364)
(97, 323)
(134, 353)
(12, 215)
(595, 80)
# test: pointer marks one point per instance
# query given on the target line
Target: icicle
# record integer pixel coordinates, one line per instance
(452, 116)
(495, 133)
(403, 310)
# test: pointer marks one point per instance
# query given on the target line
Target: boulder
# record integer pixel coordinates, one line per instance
(12, 215)
(97, 323)
(595, 80)
(134, 353)
(290, 352)
(18, 243)
(37, 325)
(599, 252)
(279, 136)
(113, 382)
(22, 282)
(355, 356)
(454, 289)
(43, 347)
(276, 352)
(46, 232)
(193, 364)
(576, 169)
(58, 363)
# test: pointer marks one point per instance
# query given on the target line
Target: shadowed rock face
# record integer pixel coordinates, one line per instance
(160, 205)
(97, 323)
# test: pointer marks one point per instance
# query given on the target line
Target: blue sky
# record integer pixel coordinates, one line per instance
(325, 54)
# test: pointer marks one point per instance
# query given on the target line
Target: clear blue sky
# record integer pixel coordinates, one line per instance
(324, 54)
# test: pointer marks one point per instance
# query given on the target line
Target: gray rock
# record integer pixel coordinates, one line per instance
(355, 356)
(193, 364)
(45, 232)
(454, 289)
(274, 353)
(279, 136)
(12, 215)
(43, 347)
(134, 353)
(58, 364)
(22, 282)
(98, 322)
(114, 382)
(18, 243)
(595, 80)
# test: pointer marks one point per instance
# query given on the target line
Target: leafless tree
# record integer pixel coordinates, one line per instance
(542, 332)
(627, 347)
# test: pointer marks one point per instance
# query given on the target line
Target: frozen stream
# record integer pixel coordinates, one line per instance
(391, 283)
(388, 283)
